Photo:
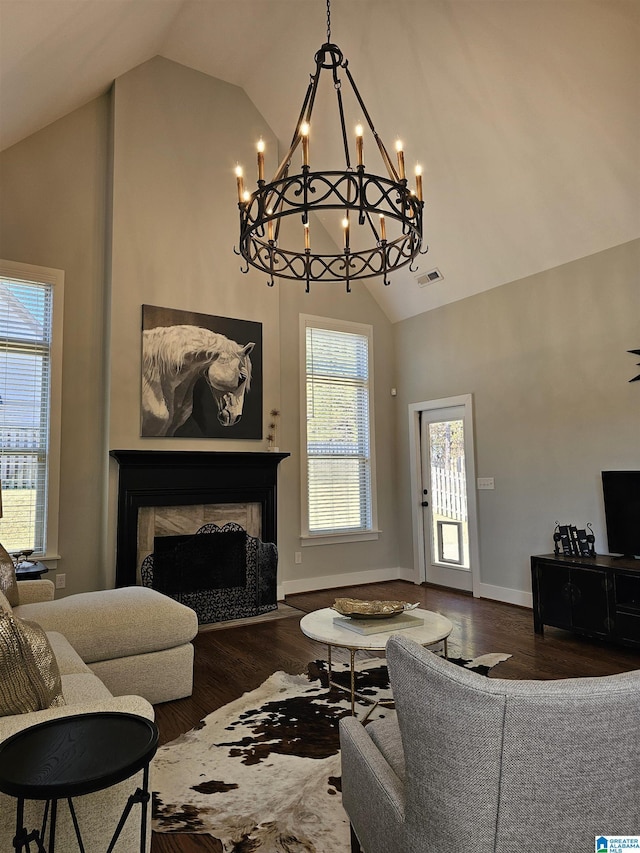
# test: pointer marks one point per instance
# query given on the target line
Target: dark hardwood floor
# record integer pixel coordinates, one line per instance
(231, 661)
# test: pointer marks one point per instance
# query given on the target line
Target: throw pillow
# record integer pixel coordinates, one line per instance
(29, 674)
(8, 581)
(5, 607)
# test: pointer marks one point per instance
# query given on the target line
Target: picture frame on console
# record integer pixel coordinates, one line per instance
(201, 375)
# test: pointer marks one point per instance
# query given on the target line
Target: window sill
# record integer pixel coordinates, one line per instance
(338, 538)
(50, 562)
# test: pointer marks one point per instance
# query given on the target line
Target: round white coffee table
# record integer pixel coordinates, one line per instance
(320, 625)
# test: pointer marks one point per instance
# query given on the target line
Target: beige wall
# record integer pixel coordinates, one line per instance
(546, 361)
(52, 213)
(177, 137)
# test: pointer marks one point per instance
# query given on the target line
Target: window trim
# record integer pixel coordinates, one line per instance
(337, 537)
(54, 277)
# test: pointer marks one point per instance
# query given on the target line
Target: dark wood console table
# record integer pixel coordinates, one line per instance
(593, 596)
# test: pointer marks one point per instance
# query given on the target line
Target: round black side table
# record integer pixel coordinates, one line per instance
(71, 756)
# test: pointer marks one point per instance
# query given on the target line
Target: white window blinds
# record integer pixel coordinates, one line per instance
(25, 386)
(338, 433)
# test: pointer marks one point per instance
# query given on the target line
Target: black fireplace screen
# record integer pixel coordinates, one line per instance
(221, 572)
(194, 563)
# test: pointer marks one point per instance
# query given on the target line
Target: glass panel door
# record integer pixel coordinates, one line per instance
(449, 521)
(444, 479)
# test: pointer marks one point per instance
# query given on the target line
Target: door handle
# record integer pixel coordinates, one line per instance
(424, 503)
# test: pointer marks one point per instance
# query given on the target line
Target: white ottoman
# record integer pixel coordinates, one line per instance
(136, 640)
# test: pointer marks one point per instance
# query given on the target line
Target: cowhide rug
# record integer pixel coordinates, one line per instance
(262, 774)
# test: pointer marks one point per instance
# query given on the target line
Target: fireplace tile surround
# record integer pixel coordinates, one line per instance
(161, 490)
(161, 521)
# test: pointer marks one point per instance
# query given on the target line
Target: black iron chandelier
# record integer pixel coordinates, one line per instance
(385, 212)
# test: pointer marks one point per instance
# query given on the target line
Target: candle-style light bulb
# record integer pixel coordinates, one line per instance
(246, 196)
(304, 132)
(261, 159)
(240, 182)
(270, 225)
(359, 145)
(400, 159)
(306, 236)
(383, 228)
(345, 225)
(419, 182)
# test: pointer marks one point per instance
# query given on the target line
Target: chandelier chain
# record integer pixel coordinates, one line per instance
(328, 21)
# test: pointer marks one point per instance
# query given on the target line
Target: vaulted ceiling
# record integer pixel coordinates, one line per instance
(525, 114)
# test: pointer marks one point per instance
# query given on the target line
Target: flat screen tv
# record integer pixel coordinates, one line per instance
(621, 491)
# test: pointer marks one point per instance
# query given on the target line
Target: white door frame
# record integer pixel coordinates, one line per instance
(415, 462)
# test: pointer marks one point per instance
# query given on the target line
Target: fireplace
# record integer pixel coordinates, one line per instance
(159, 478)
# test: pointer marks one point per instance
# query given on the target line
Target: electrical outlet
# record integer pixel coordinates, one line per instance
(298, 557)
(61, 581)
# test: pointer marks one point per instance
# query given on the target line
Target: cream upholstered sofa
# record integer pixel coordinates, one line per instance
(136, 640)
(117, 650)
(492, 765)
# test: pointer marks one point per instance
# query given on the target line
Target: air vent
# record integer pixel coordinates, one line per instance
(430, 277)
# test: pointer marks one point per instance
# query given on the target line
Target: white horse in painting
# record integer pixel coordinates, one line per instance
(173, 359)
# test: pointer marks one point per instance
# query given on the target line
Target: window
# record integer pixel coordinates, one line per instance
(338, 470)
(30, 364)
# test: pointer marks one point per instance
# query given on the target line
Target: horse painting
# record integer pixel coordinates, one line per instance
(174, 358)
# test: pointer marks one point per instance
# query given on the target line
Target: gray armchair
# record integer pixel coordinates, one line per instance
(491, 765)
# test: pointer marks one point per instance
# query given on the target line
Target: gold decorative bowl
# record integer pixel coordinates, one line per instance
(358, 609)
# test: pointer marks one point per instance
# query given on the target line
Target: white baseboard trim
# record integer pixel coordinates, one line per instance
(407, 575)
(350, 579)
(485, 590)
(503, 593)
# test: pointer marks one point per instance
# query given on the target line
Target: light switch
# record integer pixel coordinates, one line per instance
(486, 483)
